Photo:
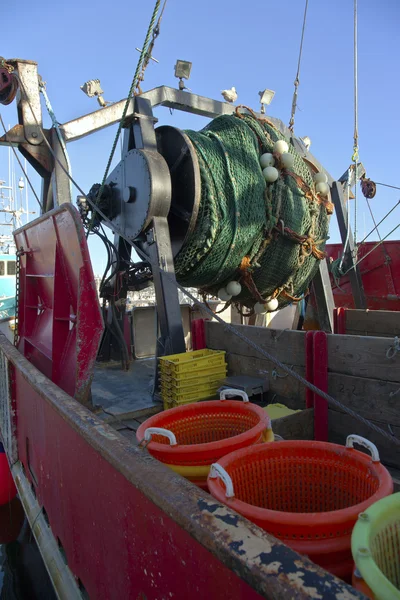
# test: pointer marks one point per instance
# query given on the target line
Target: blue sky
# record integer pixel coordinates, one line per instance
(250, 46)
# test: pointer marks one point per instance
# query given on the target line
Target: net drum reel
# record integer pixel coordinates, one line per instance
(197, 203)
(226, 223)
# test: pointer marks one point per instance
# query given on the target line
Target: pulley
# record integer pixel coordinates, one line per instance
(368, 187)
(8, 86)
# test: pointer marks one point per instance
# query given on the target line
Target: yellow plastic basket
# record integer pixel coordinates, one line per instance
(192, 362)
(375, 545)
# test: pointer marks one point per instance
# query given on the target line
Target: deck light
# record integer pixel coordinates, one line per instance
(266, 97)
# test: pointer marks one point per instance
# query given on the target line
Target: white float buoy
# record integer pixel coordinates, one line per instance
(223, 295)
(270, 174)
(259, 308)
(280, 147)
(322, 188)
(267, 160)
(320, 178)
(233, 288)
(272, 305)
(287, 160)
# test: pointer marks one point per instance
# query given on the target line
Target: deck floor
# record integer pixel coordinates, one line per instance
(120, 395)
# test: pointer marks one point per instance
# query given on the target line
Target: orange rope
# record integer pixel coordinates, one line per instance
(295, 298)
(307, 243)
(248, 280)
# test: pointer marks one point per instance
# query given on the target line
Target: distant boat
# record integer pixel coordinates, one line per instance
(7, 293)
(12, 209)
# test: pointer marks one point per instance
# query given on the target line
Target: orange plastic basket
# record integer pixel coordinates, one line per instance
(205, 431)
(307, 494)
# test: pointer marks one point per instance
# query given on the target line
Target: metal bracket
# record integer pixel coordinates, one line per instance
(28, 101)
(346, 234)
(324, 297)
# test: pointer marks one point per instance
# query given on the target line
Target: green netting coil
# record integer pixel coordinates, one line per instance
(242, 216)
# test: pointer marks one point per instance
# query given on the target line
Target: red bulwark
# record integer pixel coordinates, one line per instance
(56, 288)
(380, 272)
(117, 542)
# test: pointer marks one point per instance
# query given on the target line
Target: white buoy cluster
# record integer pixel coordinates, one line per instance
(270, 306)
(232, 289)
(282, 157)
(268, 161)
(321, 184)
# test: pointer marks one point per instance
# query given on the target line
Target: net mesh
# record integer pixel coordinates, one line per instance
(242, 216)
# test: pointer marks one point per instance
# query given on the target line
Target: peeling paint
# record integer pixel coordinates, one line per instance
(297, 579)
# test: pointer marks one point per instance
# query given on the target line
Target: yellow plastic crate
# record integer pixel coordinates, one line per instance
(197, 373)
(168, 403)
(186, 384)
(206, 391)
(192, 362)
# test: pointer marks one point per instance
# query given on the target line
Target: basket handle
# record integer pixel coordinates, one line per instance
(160, 431)
(218, 471)
(353, 438)
(232, 392)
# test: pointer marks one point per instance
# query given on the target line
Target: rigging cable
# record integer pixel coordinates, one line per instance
(56, 125)
(128, 99)
(374, 248)
(297, 80)
(22, 168)
(380, 222)
(355, 157)
(227, 326)
(386, 255)
(387, 185)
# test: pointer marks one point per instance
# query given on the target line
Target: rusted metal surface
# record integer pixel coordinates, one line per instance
(28, 101)
(59, 317)
(120, 511)
(7, 411)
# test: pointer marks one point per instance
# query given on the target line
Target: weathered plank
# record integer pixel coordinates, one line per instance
(350, 355)
(380, 323)
(368, 397)
(363, 357)
(342, 425)
(279, 383)
(299, 426)
(286, 345)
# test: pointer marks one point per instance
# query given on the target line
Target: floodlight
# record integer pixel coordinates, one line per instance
(266, 97)
(182, 69)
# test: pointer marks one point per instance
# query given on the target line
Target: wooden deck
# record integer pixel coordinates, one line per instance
(118, 394)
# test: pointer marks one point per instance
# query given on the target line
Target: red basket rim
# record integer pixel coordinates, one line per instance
(171, 452)
(217, 488)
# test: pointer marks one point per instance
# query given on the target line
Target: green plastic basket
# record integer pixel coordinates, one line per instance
(375, 545)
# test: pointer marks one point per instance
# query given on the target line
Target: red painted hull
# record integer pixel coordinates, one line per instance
(117, 542)
(126, 525)
(380, 272)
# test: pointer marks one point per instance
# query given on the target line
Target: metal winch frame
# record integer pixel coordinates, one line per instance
(141, 186)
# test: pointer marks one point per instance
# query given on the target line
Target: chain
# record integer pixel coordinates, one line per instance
(17, 274)
(6, 65)
(127, 102)
(297, 80)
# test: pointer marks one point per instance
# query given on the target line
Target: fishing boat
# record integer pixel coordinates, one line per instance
(109, 518)
(14, 211)
(7, 291)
